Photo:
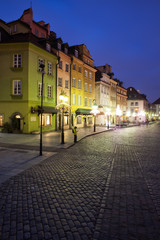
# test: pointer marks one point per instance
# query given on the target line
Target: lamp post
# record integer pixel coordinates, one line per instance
(43, 72)
(94, 112)
(63, 97)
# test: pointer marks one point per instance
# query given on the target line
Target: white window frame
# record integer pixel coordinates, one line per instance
(40, 61)
(49, 91)
(86, 73)
(60, 82)
(16, 87)
(90, 75)
(17, 60)
(85, 101)
(66, 83)
(85, 87)
(49, 68)
(79, 84)
(90, 102)
(90, 88)
(74, 82)
(79, 100)
(45, 118)
(39, 89)
(74, 99)
(67, 67)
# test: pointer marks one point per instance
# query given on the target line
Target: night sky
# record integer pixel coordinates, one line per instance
(122, 33)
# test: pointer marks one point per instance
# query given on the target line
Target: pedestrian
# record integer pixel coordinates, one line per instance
(74, 130)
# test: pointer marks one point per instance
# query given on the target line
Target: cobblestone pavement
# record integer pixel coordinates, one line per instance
(104, 187)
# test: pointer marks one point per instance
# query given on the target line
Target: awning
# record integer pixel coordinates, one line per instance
(47, 109)
(83, 111)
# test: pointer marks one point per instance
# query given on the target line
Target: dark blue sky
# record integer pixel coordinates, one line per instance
(122, 33)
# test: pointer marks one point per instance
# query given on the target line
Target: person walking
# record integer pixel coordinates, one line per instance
(74, 130)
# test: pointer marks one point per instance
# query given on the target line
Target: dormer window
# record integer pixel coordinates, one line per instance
(48, 47)
(15, 28)
(76, 53)
(66, 50)
(59, 46)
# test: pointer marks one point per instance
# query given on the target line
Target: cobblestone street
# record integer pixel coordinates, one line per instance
(104, 187)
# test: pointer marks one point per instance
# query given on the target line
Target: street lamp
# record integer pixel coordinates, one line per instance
(63, 97)
(119, 113)
(42, 66)
(94, 112)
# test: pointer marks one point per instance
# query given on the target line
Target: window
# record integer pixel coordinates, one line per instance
(89, 120)
(74, 66)
(79, 69)
(46, 119)
(90, 102)
(48, 47)
(132, 103)
(39, 89)
(1, 120)
(49, 91)
(85, 102)
(136, 103)
(36, 32)
(67, 67)
(79, 99)
(60, 82)
(66, 50)
(85, 87)
(79, 84)
(49, 68)
(90, 75)
(74, 99)
(90, 88)
(40, 61)
(17, 61)
(59, 46)
(16, 87)
(74, 82)
(86, 73)
(79, 119)
(66, 83)
(76, 53)
(60, 64)
(15, 28)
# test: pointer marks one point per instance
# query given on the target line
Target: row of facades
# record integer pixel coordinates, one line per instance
(24, 46)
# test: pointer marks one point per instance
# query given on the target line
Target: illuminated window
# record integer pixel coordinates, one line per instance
(49, 68)
(60, 82)
(85, 102)
(17, 60)
(85, 87)
(66, 83)
(79, 100)
(46, 119)
(1, 120)
(79, 84)
(49, 91)
(16, 88)
(74, 82)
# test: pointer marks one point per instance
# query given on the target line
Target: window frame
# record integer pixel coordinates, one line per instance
(16, 62)
(50, 91)
(18, 90)
(60, 82)
(74, 82)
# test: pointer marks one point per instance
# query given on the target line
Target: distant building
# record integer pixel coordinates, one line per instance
(137, 106)
(157, 107)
